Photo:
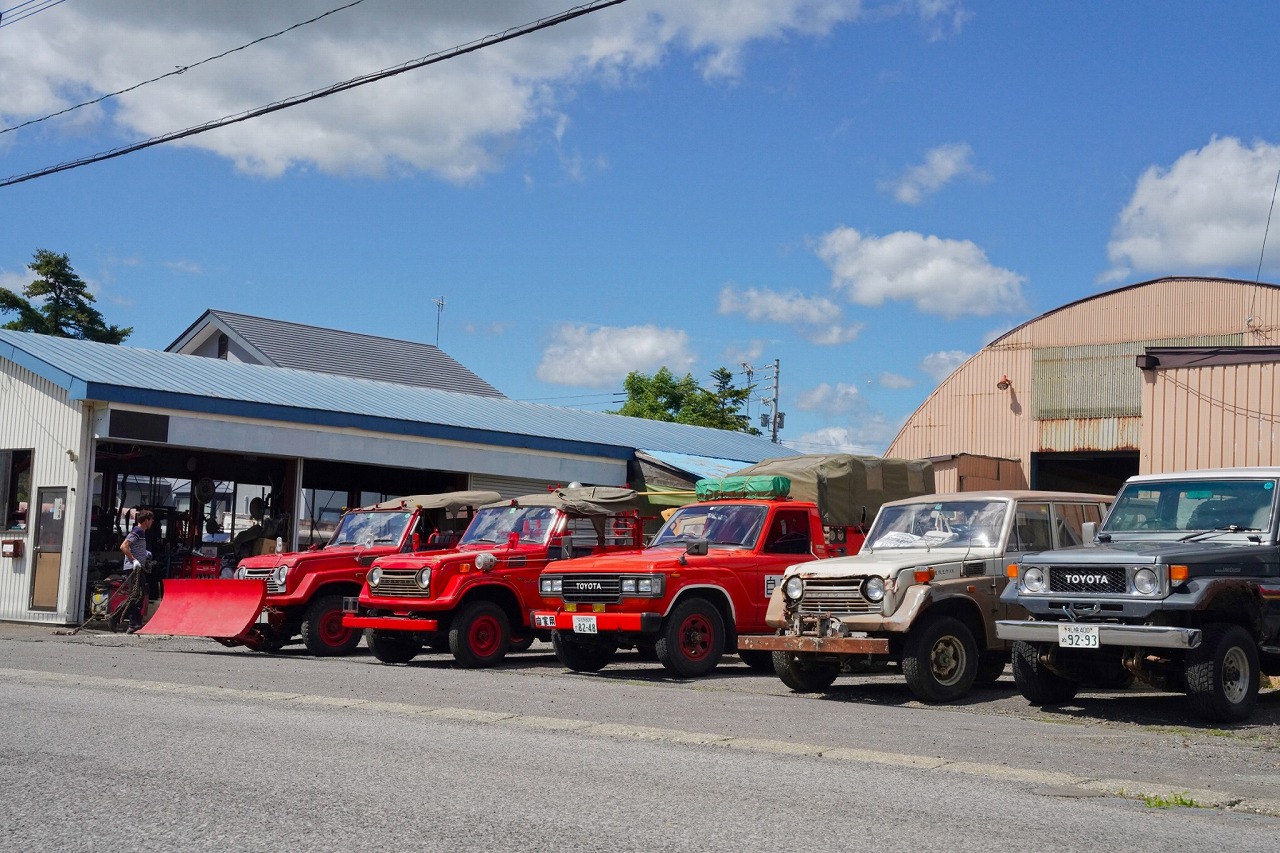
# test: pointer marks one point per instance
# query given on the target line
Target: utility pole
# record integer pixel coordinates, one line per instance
(774, 419)
(439, 310)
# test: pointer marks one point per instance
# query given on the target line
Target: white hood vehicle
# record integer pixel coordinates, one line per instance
(923, 592)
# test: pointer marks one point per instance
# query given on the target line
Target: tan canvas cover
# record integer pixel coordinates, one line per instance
(580, 500)
(848, 489)
(445, 500)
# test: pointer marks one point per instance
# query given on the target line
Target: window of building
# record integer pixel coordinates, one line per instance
(223, 346)
(15, 487)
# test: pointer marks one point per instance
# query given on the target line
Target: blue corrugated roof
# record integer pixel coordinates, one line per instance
(119, 374)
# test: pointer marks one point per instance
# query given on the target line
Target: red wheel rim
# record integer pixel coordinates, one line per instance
(485, 636)
(331, 630)
(696, 636)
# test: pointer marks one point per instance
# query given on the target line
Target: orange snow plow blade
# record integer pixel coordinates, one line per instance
(222, 609)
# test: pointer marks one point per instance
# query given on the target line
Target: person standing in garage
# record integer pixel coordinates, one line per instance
(136, 557)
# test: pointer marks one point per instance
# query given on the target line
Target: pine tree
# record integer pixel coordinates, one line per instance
(58, 303)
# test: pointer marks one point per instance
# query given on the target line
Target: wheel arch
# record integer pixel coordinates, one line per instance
(964, 609)
(718, 598)
(499, 594)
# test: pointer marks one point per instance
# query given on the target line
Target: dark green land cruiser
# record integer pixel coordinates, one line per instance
(1180, 588)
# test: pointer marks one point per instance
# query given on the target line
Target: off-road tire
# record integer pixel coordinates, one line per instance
(267, 641)
(1222, 674)
(392, 646)
(1035, 682)
(579, 656)
(940, 660)
(990, 668)
(804, 676)
(322, 631)
(692, 639)
(758, 660)
(480, 635)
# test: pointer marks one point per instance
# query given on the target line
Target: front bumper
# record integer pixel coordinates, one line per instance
(816, 645)
(390, 623)
(627, 623)
(1109, 634)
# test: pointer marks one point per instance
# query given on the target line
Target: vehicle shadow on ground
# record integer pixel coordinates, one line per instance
(1152, 708)
(890, 690)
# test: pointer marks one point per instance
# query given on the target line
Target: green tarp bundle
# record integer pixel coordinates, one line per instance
(718, 488)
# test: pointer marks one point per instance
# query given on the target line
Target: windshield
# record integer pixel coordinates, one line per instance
(494, 525)
(731, 525)
(949, 523)
(385, 528)
(1193, 505)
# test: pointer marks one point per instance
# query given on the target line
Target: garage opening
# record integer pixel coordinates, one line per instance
(1099, 473)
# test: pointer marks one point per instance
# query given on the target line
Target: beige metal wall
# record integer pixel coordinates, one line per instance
(38, 416)
(1210, 417)
(967, 413)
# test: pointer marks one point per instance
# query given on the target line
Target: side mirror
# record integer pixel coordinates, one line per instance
(697, 548)
(1089, 530)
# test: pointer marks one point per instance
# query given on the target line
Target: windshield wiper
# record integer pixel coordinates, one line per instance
(1217, 531)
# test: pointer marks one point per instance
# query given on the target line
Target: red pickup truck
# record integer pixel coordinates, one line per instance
(275, 597)
(475, 601)
(707, 576)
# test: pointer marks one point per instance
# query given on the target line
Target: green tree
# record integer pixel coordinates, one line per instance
(663, 397)
(58, 303)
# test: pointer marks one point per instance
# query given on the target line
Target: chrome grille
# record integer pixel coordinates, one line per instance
(400, 583)
(824, 596)
(592, 589)
(267, 575)
(1106, 579)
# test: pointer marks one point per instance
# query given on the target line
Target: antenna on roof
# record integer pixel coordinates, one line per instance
(439, 310)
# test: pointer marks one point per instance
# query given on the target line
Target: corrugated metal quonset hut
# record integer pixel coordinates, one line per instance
(224, 450)
(1166, 375)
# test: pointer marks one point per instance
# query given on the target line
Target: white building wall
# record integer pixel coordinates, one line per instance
(36, 415)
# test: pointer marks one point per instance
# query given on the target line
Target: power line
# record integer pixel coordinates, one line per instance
(42, 5)
(180, 69)
(430, 59)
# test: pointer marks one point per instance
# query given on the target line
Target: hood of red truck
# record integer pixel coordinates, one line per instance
(323, 558)
(465, 554)
(648, 560)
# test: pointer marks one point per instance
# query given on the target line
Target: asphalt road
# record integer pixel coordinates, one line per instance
(119, 742)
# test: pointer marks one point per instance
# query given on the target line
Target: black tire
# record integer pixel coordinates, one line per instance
(1222, 674)
(940, 660)
(266, 640)
(582, 656)
(480, 635)
(757, 660)
(990, 668)
(322, 630)
(804, 676)
(692, 639)
(392, 646)
(1035, 682)
(520, 644)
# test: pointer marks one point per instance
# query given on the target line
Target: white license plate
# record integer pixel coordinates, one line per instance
(1078, 636)
(544, 620)
(584, 625)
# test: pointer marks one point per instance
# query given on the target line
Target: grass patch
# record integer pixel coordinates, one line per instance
(1161, 801)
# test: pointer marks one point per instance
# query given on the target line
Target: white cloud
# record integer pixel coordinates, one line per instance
(895, 380)
(1205, 213)
(817, 318)
(941, 166)
(940, 365)
(738, 355)
(942, 18)
(15, 281)
(601, 357)
(868, 436)
(830, 399)
(453, 119)
(946, 277)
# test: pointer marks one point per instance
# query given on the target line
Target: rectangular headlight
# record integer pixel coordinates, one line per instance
(628, 586)
(646, 586)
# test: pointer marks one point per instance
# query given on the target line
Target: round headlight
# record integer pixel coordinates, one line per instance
(794, 588)
(1033, 579)
(374, 576)
(873, 589)
(241, 573)
(424, 578)
(486, 561)
(280, 574)
(1145, 581)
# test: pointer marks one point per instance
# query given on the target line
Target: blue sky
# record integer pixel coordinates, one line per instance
(867, 192)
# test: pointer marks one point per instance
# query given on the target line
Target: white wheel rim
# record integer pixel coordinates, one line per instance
(946, 660)
(1235, 675)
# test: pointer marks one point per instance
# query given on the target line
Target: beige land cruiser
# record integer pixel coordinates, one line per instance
(924, 591)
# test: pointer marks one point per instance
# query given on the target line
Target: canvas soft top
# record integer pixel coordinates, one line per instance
(444, 500)
(848, 489)
(580, 500)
